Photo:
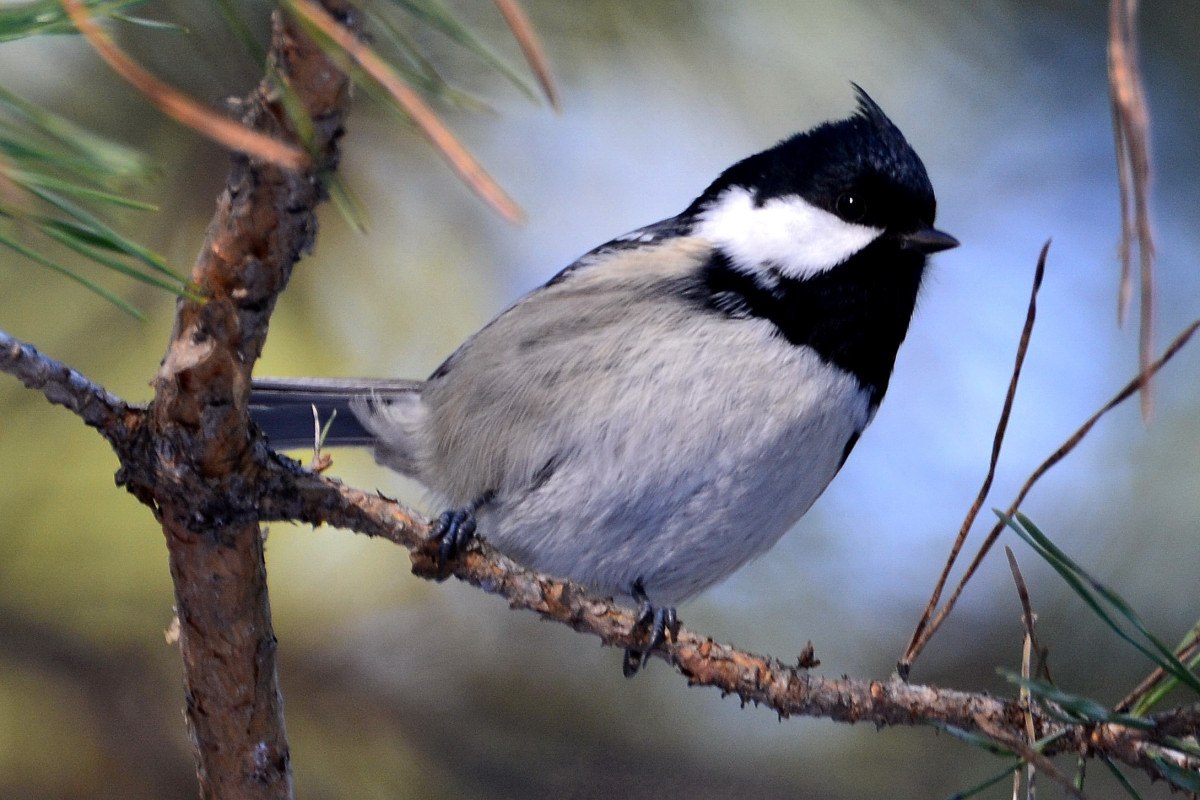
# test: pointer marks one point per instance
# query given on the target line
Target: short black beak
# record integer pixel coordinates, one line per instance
(928, 241)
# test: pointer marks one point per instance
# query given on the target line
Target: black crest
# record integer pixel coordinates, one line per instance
(865, 153)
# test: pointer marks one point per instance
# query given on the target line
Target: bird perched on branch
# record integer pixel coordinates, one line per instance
(665, 408)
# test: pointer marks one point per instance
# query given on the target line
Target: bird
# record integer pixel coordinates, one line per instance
(664, 409)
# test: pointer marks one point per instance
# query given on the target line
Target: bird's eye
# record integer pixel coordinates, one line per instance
(850, 206)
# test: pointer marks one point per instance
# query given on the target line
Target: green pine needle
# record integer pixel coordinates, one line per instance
(1082, 708)
(987, 783)
(437, 16)
(1186, 779)
(1121, 779)
(241, 31)
(105, 156)
(72, 274)
(1155, 696)
(83, 248)
(42, 17)
(1095, 595)
(348, 204)
(30, 179)
(106, 234)
(417, 70)
(974, 739)
(47, 160)
(152, 24)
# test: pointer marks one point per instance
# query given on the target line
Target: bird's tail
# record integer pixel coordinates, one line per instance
(284, 408)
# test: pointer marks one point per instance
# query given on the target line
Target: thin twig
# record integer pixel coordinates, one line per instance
(535, 55)
(471, 171)
(64, 387)
(179, 106)
(919, 637)
(290, 493)
(1179, 721)
(1055, 457)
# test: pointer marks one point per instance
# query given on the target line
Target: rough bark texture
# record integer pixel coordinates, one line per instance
(194, 465)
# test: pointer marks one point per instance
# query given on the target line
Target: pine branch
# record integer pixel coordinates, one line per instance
(65, 387)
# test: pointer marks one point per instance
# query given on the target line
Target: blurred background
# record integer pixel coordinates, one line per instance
(395, 687)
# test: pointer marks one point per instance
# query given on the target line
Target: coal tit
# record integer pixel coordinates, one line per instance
(664, 409)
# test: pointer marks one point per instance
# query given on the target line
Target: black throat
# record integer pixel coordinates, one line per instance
(855, 316)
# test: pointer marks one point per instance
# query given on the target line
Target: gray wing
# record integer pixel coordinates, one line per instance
(672, 228)
(521, 395)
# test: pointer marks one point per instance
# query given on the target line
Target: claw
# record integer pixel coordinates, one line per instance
(661, 621)
(454, 529)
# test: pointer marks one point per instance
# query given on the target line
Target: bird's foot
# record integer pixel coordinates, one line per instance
(453, 531)
(662, 621)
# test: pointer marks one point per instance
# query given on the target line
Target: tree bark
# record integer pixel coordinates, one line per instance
(204, 469)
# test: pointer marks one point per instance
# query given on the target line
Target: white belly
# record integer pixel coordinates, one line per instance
(686, 466)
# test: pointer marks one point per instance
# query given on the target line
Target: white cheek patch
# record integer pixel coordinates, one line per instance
(787, 232)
